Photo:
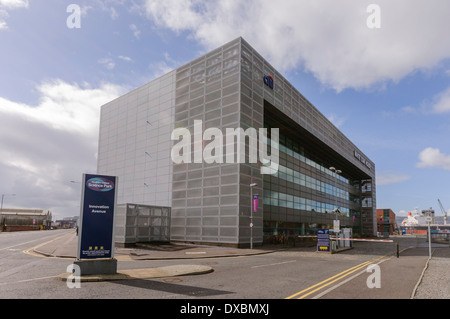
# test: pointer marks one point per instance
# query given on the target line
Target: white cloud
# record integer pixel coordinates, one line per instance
(113, 13)
(108, 63)
(136, 31)
(63, 106)
(438, 104)
(14, 4)
(390, 178)
(108, 6)
(432, 157)
(442, 104)
(6, 5)
(3, 16)
(125, 58)
(402, 213)
(328, 38)
(44, 146)
(409, 109)
(337, 120)
(162, 67)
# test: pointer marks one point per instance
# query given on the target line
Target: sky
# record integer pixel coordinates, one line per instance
(380, 73)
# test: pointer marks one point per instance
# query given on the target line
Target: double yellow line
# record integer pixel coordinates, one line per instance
(306, 292)
(30, 251)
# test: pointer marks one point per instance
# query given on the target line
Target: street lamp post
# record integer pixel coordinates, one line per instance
(429, 219)
(251, 214)
(1, 206)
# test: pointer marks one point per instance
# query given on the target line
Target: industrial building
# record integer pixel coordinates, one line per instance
(167, 141)
(13, 219)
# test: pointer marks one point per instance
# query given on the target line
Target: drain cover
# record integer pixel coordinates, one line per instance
(171, 280)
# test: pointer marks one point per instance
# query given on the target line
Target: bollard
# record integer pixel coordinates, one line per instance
(398, 252)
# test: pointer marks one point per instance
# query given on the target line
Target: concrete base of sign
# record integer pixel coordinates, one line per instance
(96, 266)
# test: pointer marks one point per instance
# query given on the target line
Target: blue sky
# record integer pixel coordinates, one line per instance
(387, 89)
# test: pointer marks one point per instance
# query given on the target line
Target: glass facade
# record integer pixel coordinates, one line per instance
(303, 195)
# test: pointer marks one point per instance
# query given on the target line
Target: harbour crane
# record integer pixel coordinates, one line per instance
(443, 212)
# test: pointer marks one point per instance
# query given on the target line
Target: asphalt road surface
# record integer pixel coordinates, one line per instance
(300, 273)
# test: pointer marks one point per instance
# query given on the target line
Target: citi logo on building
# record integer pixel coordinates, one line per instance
(268, 80)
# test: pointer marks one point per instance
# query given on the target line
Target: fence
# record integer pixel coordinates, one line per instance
(142, 223)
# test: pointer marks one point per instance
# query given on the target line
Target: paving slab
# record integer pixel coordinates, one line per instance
(145, 273)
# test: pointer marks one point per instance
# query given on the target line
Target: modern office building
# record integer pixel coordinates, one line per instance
(163, 141)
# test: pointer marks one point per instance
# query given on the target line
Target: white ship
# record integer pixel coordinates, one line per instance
(418, 219)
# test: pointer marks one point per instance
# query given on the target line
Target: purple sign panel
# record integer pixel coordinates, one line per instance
(255, 203)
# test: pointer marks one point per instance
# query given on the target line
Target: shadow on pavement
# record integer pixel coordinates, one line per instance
(172, 288)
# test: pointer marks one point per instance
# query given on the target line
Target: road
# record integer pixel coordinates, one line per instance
(295, 273)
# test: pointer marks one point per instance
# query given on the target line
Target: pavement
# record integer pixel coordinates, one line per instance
(434, 282)
(65, 246)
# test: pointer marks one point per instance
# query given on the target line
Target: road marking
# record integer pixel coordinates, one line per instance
(345, 281)
(29, 250)
(304, 293)
(26, 280)
(27, 242)
(123, 258)
(275, 264)
(359, 239)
